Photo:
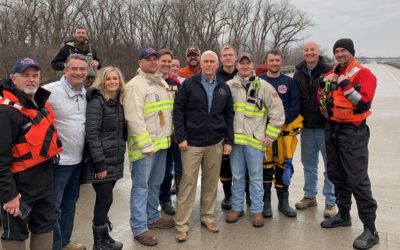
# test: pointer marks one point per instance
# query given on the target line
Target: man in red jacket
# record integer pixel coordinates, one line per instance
(346, 97)
(29, 142)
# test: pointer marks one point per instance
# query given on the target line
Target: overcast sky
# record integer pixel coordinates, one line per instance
(373, 25)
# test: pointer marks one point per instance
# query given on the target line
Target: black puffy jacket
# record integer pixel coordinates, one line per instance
(105, 136)
(308, 87)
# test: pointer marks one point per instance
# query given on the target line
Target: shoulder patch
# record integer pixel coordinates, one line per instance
(282, 89)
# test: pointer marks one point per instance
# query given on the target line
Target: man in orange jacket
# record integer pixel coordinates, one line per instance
(29, 142)
(193, 62)
(346, 97)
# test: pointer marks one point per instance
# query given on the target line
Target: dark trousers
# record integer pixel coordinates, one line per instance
(104, 199)
(347, 155)
(66, 194)
(173, 162)
(225, 174)
(273, 174)
(40, 220)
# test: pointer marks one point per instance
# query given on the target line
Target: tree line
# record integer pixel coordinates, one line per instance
(118, 29)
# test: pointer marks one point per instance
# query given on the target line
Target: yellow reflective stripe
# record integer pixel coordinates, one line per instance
(140, 140)
(249, 110)
(272, 131)
(162, 143)
(157, 106)
(247, 140)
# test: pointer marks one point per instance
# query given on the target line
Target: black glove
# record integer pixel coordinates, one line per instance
(343, 84)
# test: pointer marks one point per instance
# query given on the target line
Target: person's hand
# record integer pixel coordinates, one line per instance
(227, 149)
(267, 142)
(344, 82)
(12, 206)
(94, 64)
(101, 175)
(183, 145)
(331, 78)
(149, 153)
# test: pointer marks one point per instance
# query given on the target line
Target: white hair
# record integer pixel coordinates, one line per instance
(209, 52)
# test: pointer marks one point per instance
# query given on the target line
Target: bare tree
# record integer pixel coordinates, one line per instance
(119, 29)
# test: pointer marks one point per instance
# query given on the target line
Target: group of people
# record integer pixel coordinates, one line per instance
(238, 127)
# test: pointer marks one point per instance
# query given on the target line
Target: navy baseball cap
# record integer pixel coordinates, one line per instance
(145, 53)
(23, 63)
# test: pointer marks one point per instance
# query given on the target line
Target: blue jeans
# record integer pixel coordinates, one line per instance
(147, 175)
(66, 194)
(312, 142)
(242, 156)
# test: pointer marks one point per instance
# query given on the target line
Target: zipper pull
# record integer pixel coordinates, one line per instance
(77, 102)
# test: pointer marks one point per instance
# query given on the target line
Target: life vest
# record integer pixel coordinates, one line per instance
(343, 110)
(40, 142)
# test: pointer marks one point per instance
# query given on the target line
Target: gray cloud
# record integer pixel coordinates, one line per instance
(369, 23)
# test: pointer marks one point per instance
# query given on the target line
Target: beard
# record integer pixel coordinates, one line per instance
(82, 46)
(30, 91)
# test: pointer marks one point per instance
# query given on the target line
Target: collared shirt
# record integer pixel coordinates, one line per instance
(81, 91)
(70, 117)
(309, 71)
(209, 86)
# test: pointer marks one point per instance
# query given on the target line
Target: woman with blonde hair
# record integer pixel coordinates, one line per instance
(106, 138)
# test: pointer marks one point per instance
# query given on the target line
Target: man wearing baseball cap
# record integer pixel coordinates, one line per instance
(193, 62)
(259, 115)
(349, 89)
(29, 142)
(148, 112)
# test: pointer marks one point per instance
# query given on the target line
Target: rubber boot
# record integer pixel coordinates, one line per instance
(367, 239)
(13, 245)
(178, 178)
(41, 241)
(267, 210)
(110, 242)
(98, 236)
(283, 207)
(226, 202)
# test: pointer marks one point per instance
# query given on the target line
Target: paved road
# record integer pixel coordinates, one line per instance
(280, 232)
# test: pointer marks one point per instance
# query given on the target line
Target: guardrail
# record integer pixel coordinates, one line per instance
(394, 64)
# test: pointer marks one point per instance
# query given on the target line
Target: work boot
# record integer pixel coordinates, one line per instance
(110, 242)
(98, 236)
(163, 223)
(329, 211)
(366, 240)
(147, 238)
(227, 202)
(74, 246)
(337, 221)
(233, 216)
(267, 210)
(13, 245)
(41, 241)
(168, 208)
(306, 203)
(283, 207)
(257, 220)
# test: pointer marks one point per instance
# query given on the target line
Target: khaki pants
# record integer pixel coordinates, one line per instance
(209, 158)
